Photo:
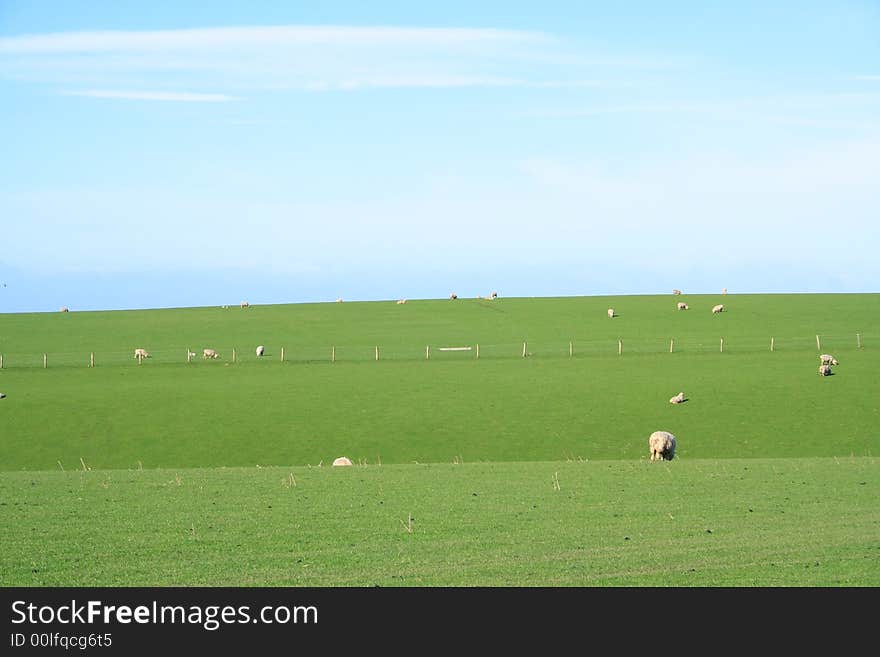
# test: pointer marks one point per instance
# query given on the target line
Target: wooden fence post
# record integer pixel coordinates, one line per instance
(619, 346)
(858, 341)
(818, 344)
(45, 361)
(478, 351)
(333, 354)
(377, 352)
(427, 352)
(524, 350)
(233, 355)
(92, 359)
(772, 343)
(671, 343)
(282, 354)
(1, 361)
(188, 355)
(722, 345)
(570, 349)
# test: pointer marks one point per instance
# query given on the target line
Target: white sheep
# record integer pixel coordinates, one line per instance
(64, 309)
(339, 300)
(676, 291)
(717, 309)
(245, 304)
(824, 370)
(141, 353)
(2, 395)
(682, 306)
(261, 350)
(453, 296)
(679, 398)
(400, 302)
(827, 359)
(611, 312)
(210, 353)
(342, 460)
(662, 445)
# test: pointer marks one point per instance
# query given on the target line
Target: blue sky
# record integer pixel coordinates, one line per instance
(182, 154)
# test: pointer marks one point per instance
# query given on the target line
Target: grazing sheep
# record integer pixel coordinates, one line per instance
(210, 353)
(401, 302)
(2, 395)
(494, 295)
(717, 309)
(662, 445)
(682, 306)
(245, 304)
(64, 309)
(824, 370)
(724, 291)
(342, 460)
(261, 350)
(453, 296)
(141, 353)
(611, 312)
(827, 359)
(339, 300)
(676, 291)
(679, 398)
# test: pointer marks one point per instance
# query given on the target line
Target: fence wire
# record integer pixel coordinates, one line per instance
(575, 348)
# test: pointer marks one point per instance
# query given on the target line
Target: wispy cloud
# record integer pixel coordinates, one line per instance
(306, 58)
(872, 78)
(168, 96)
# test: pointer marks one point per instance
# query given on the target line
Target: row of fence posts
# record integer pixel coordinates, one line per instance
(190, 354)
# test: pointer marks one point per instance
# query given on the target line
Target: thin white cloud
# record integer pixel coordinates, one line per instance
(873, 78)
(168, 96)
(307, 58)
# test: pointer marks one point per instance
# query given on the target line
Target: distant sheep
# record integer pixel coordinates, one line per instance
(724, 291)
(261, 350)
(676, 291)
(717, 309)
(342, 460)
(141, 353)
(453, 296)
(678, 399)
(245, 304)
(827, 359)
(210, 353)
(611, 312)
(2, 395)
(824, 370)
(662, 446)
(494, 295)
(339, 300)
(64, 309)
(401, 302)
(682, 306)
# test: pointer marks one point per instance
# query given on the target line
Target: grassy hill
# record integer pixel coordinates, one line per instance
(517, 471)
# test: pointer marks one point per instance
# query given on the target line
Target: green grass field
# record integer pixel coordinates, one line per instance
(192, 464)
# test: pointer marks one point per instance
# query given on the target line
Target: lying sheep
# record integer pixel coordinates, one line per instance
(824, 370)
(210, 353)
(662, 445)
(342, 460)
(676, 291)
(682, 306)
(2, 395)
(827, 359)
(261, 350)
(611, 312)
(678, 399)
(401, 302)
(717, 309)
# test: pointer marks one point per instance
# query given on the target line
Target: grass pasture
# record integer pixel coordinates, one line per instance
(192, 464)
